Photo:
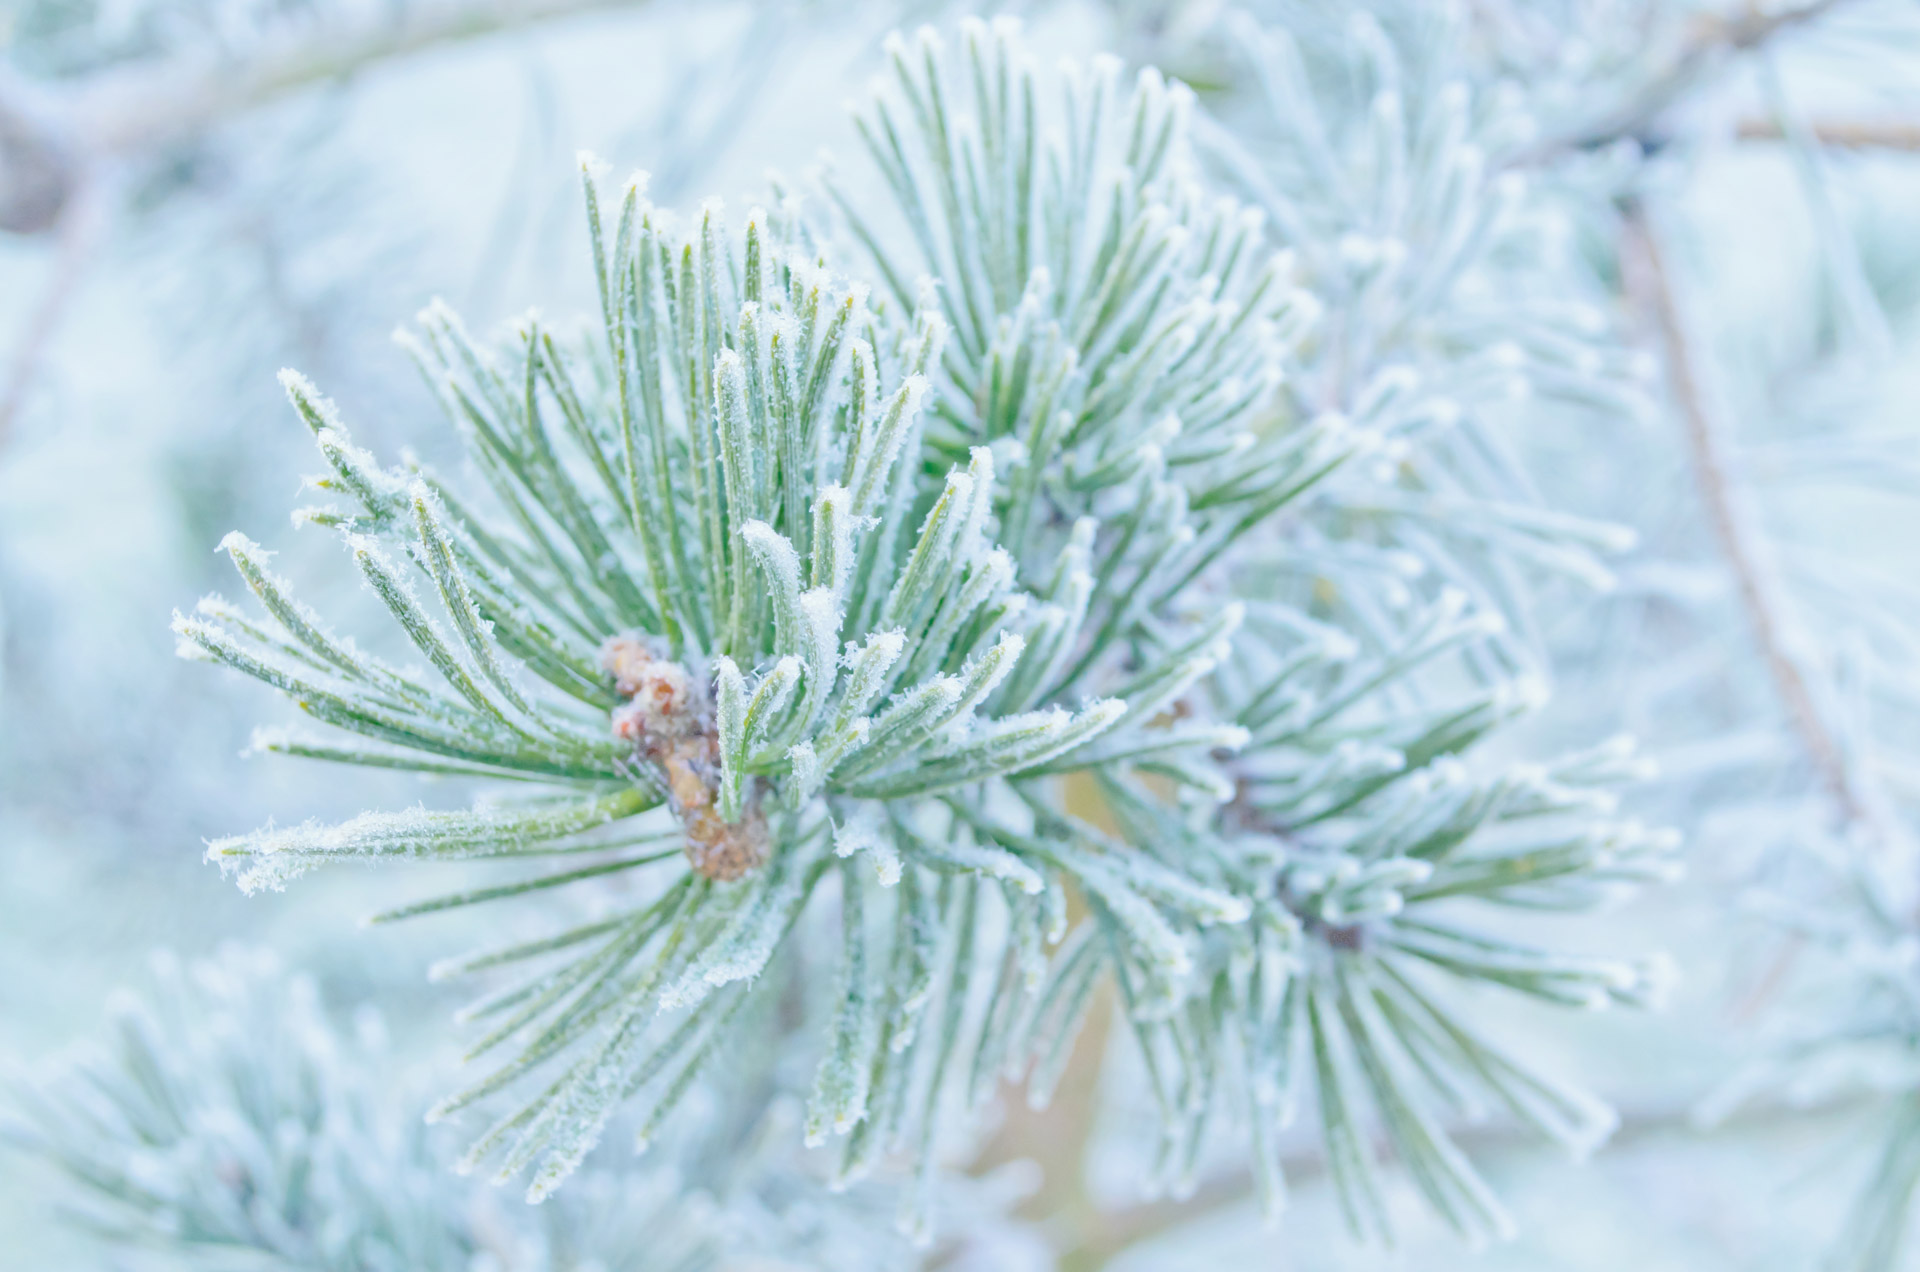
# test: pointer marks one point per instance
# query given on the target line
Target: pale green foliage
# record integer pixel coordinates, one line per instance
(1397, 175)
(1378, 830)
(895, 566)
(223, 1121)
(1850, 1029)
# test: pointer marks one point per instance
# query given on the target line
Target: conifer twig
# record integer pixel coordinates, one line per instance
(37, 168)
(147, 106)
(1843, 134)
(80, 232)
(1714, 39)
(54, 137)
(138, 107)
(1057, 1138)
(1125, 1229)
(60, 145)
(1649, 283)
(682, 626)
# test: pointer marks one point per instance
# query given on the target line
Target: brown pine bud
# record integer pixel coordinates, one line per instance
(666, 720)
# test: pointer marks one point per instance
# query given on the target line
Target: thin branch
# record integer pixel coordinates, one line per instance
(1120, 1230)
(1057, 1137)
(1714, 40)
(61, 147)
(143, 107)
(82, 227)
(37, 165)
(1841, 134)
(1649, 284)
(53, 137)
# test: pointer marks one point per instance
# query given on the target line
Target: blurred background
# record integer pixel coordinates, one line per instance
(196, 193)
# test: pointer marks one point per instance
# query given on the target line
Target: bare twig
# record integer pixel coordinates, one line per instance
(1123, 1229)
(82, 226)
(1056, 1138)
(1714, 40)
(37, 163)
(144, 107)
(1649, 284)
(1842, 134)
(54, 136)
(61, 147)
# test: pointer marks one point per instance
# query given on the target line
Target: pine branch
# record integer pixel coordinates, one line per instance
(769, 567)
